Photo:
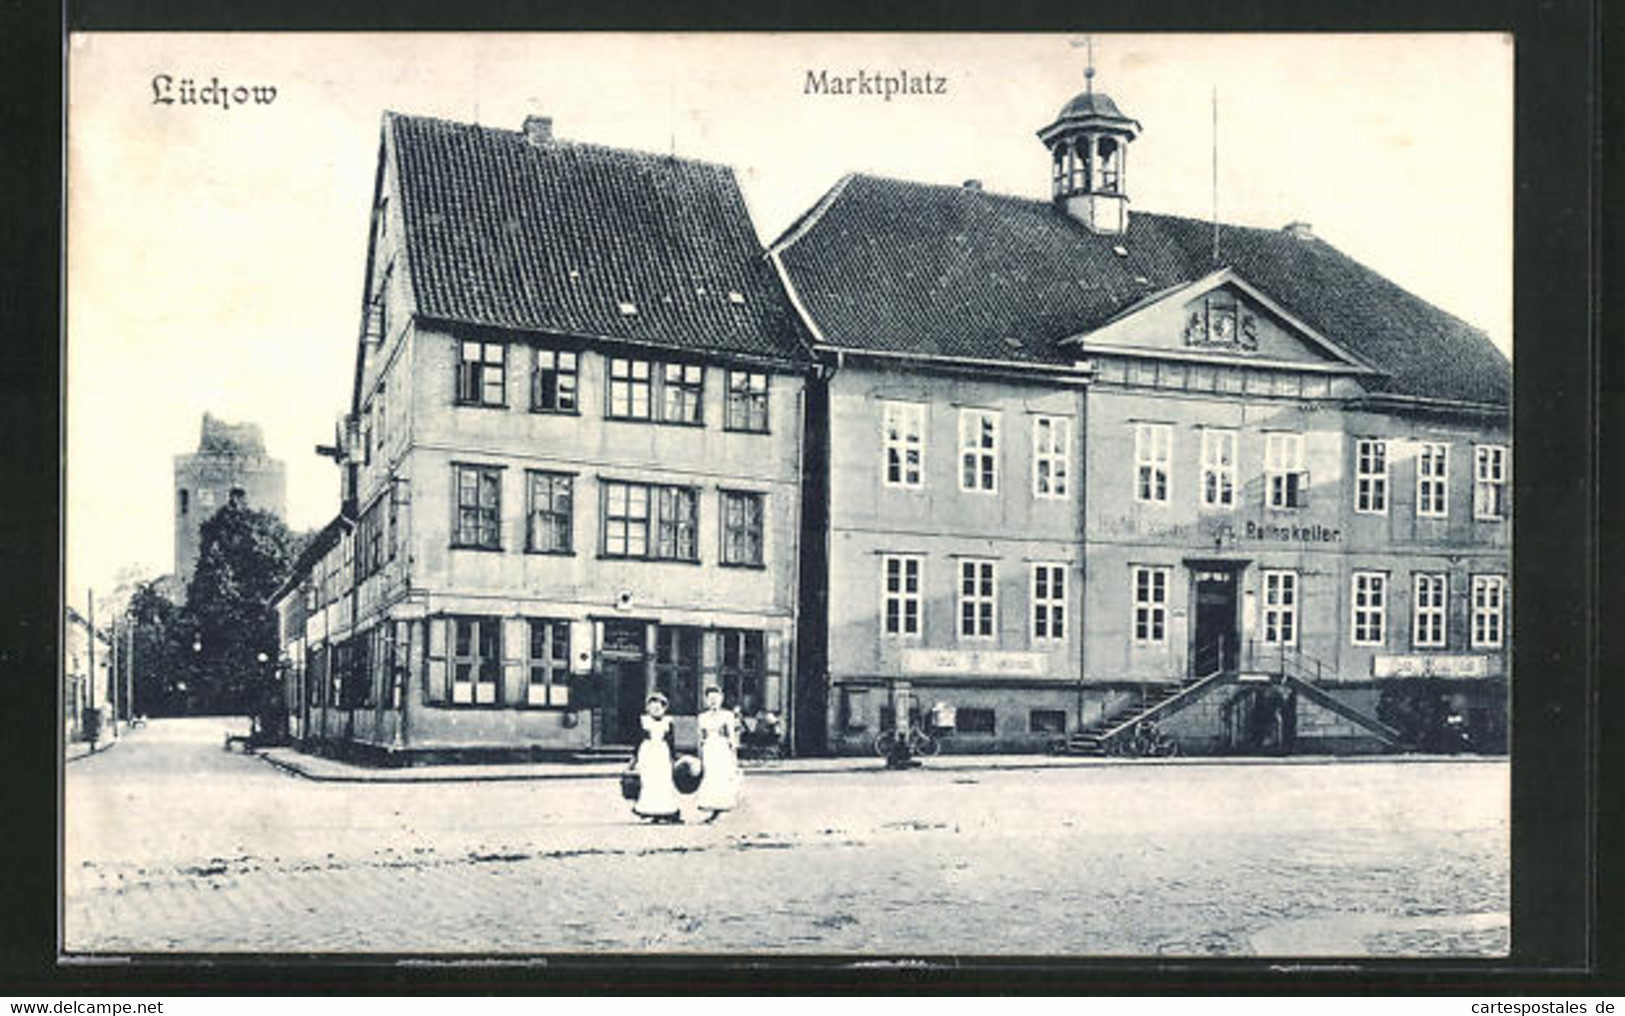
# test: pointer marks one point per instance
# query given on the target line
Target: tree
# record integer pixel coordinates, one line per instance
(244, 556)
(160, 659)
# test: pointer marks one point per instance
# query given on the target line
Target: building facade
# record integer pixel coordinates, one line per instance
(230, 461)
(1087, 469)
(572, 462)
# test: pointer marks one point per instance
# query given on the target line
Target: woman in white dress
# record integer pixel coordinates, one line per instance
(657, 795)
(719, 747)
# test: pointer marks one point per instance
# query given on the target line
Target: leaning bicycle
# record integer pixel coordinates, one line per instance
(917, 741)
(1146, 741)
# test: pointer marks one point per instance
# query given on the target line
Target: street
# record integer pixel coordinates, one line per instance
(172, 844)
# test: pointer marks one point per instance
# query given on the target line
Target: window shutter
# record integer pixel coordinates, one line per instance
(1303, 489)
(435, 683)
(773, 681)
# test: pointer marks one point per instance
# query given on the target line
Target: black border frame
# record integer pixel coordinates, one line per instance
(1560, 888)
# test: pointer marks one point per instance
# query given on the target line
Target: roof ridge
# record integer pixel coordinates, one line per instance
(518, 134)
(804, 222)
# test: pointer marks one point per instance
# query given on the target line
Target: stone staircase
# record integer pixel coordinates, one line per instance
(1154, 704)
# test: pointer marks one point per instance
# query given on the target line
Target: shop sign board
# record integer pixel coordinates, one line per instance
(981, 662)
(1421, 665)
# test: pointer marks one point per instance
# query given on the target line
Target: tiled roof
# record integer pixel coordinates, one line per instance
(585, 240)
(895, 266)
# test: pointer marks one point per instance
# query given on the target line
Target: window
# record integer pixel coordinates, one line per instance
(741, 527)
(744, 670)
(682, 390)
(1281, 608)
(1432, 480)
(1049, 602)
(677, 524)
(629, 389)
(1219, 468)
(1046, 721)
(1286, 484)
(1052, 443)
(481, 377)
(555, 381)
(974, 721)
(183, 500)
(548, 677)
(394, 523)
(903, 427)
(476, 662)
(747, 402)
(677, 667)
(1489, 482)
(900, 595)
(1153, 448)
(1370, 596)
(479, 507)
(978, 600)
(552, 504)
(627, 518)
(1371, 477)
(1427, 611)
(979, 450)
(1150, 603)
(1489, 611)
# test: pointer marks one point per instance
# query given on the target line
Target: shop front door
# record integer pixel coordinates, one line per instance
(626, 684)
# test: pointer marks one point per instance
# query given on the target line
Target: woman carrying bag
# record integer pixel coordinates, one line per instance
(657, 794)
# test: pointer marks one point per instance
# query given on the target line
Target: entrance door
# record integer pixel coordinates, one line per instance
(1214, 639)
(627, 682)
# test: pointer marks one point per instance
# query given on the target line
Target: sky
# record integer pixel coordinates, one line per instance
(215, 254)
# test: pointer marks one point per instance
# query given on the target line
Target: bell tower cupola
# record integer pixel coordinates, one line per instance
(1088, 145)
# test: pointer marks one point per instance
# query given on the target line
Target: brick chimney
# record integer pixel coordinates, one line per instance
(973, 184)
(1298, 230)
(539, 130)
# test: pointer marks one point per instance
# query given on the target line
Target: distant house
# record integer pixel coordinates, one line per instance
(1086, 467)
(572, 457)
(83, 689)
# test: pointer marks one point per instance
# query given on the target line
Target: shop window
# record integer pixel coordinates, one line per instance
(548, 674)
(854, 710)
(677, 667)
(974, 721)
(744, 670)
(476, 664)
(1047, 721)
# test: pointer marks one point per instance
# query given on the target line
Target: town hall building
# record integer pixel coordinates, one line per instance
(1087, 467)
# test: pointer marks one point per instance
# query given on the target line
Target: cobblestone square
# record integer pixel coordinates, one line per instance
(172, 844)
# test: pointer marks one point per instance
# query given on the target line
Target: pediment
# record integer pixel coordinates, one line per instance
(1220, 317)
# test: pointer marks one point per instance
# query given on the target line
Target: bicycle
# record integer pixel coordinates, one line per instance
(1146, 741)
(919, 742)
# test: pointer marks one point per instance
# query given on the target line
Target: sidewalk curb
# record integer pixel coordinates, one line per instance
(854, 767)
(110, 744)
